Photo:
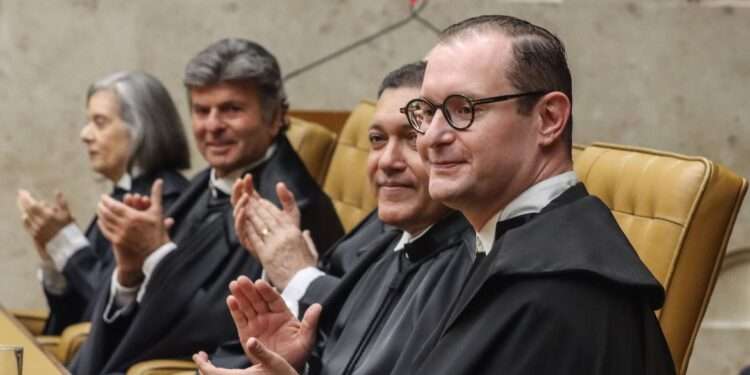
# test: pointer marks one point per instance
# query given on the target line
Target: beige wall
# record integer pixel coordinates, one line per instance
(667, 74)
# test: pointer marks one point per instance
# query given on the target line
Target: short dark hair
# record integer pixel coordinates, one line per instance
(539, 61)
(159, 140)
(409, 75)
(241, 60)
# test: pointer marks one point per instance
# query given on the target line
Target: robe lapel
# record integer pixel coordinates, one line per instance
(484, 271)
(338, 296)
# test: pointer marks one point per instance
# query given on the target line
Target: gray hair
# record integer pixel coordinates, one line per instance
(409, 75)
(241, 60)
(159, 141)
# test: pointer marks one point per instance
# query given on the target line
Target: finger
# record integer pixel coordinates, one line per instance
(62, 203)
(247, 184)
(259, 354)
(250, 293)
(35, 208)
(25, 200)
(240, 205)
(271, 297)
(156, 190)
(259, 219)
(113, 206)
(106, 216)
(288, 202)
(239, 317)
(310, 244)
(204, 365)
(271, 215)
(168, 224)
(245, 306)
(236, 192)
(309, 326)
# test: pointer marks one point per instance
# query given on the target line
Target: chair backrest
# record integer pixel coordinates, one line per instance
(678, 212)
(346, 182)
(314, 144)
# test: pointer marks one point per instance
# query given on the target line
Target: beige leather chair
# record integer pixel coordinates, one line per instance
(163, 367)
(678, 212)
(314, 143)
(346, 182)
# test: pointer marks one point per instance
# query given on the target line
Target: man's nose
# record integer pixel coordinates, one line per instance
(214, 121)
(392, 157)
(438, 131)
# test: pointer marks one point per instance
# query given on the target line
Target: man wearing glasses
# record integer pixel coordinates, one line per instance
(556, 286)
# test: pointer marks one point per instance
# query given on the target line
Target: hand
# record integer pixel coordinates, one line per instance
(273, 235)
(43, 220)
(266, 362)
(244, 187)
(135, 232)
(259, 312)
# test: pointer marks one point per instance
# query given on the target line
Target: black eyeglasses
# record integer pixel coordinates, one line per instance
(457, 109)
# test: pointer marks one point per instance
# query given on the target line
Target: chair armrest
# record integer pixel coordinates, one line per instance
(32, 319)
(163, 367)
(71, 340)
(49, 344)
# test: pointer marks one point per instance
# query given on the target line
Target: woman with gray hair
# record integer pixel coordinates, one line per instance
(133, 136)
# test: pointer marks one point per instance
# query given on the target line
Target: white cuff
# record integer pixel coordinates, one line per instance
(149, 265)
(120, 298)
(64, 244)
(52, 280)
(297, 287)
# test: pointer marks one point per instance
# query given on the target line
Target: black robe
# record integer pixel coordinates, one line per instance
(562, 294)
(390, 299)
(184, 309)
(91, 267)
(370, 235)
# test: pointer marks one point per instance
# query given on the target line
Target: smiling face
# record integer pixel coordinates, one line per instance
(396, 172)
(106, 136)
(481, 169)
(228, 125)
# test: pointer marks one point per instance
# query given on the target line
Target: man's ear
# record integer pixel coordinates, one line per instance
(277, 122)
(553, 112)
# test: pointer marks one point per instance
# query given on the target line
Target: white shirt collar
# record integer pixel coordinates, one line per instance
(406, 238)
(533, 200)
(125, 182)
(224, 184)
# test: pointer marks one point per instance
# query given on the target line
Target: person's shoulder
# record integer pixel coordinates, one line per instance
(562, 294)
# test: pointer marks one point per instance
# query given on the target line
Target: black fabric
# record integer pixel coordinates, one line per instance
(388, 300)
(564, 293)
(368, 238)
(89, 268)
(184, 309)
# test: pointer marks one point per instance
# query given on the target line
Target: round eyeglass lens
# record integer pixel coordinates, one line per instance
(459, 110)
(420, 113)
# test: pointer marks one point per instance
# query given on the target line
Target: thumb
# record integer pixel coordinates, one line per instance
(288, 203)
(156, 190)
(310, 244)
(62, 203)
(309, 325)
(260, 354)
(168, 223)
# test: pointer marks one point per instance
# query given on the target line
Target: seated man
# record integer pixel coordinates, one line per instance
(557, 287)
(397, 282)
(171, 274)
